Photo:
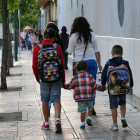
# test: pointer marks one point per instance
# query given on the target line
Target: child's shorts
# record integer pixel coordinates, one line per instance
(116, 100)
(50, 91)
(84, 105)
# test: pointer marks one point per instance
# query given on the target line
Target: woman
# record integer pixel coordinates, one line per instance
(58, 40)
(81, 35)
(39, 35)
(34, 40)
(65, 38)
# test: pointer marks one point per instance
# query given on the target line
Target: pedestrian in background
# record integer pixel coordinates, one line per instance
(34, 40)
(28, 40)
(39, 35)
(65, 38)
(57, 40)
(82, 39)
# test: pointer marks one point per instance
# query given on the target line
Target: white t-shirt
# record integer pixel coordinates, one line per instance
(23, 35)
(80, 47)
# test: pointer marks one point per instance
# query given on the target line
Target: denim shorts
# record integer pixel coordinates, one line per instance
(84, 105)
(50, 91)
(116, 100)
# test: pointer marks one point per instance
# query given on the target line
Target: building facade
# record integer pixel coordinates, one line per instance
(48, 12)
(113, 22)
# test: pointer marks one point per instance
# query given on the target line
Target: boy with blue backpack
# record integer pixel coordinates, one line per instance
(118, 75)
(48, 68)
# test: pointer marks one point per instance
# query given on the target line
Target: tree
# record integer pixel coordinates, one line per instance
(5, 44)
(6, 5)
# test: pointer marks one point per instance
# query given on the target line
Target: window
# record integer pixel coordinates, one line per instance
(121, 12)
(82, 10)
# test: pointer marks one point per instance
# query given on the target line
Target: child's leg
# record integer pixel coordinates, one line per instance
(45, 109)
(90, 113)
(123, 110)
(114, 115)
(122, 103)
(113, 106)
(82, 109)
(55, 95)
(57, 105)
(50, 104)
(83, 117)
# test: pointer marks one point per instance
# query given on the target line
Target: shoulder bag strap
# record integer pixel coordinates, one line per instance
(85, 51)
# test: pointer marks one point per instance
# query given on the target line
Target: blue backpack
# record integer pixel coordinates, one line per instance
(118, 79)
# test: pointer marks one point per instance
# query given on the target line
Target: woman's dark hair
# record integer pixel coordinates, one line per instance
(54, 27)
(81, 26)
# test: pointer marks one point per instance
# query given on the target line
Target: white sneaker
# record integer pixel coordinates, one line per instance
(124, 123)
(113, 127)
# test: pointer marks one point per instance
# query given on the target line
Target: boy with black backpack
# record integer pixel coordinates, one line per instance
(48, 68)
(118, 76)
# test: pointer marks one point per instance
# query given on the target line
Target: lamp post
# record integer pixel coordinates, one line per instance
(15, 36)
(19, 29)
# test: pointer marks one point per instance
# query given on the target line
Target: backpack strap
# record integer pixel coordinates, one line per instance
(55, 45)
(40, 46)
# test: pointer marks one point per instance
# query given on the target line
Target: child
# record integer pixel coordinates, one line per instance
(50, 91)
(84, 87)
(22, 43)
(119, 84)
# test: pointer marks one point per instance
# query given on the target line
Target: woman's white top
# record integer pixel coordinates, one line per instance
(80, 47)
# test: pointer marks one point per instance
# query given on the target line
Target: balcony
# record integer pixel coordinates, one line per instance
(42, 2)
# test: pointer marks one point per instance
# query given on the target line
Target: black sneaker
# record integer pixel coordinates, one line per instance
(93, 112)
(124, 123)
(58, 126)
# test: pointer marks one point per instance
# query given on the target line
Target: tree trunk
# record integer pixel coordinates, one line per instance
(5, 44)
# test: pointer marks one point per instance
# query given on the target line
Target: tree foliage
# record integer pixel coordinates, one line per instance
(29, 13)
(13, 5)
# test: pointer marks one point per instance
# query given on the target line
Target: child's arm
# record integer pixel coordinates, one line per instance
(104, 75)
(70, 85)
(94, 85)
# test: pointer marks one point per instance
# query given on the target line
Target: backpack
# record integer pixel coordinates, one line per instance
(50, 67)
(118, 79)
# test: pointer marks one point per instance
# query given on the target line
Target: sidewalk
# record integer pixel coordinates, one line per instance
(23, 97)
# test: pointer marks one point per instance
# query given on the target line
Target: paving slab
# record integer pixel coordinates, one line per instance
(32, 138)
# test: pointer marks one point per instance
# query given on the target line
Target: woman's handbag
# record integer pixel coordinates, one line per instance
(74, 63)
